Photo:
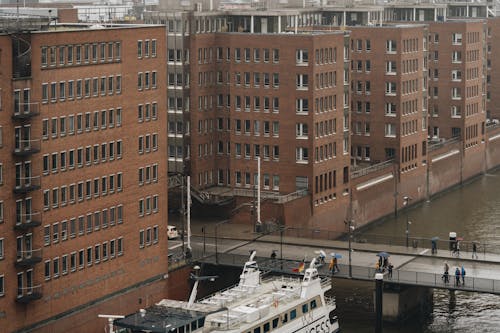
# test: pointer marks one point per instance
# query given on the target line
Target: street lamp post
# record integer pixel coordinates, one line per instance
(216, 250)
(204, 240)
(350, 229)
(282, 229)
(406, 201)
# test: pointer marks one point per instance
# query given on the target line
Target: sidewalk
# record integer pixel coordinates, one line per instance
(225, 229)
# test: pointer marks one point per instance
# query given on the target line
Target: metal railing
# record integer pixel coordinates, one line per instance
(28, 220)
(22, 147)
(24, 110)
(371, 168)
(406, 277)
(441, 143)
(26, 184)
(29, 293)
(29, 255)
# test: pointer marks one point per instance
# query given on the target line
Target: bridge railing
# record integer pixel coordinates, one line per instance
(407, 277)
(483, 248)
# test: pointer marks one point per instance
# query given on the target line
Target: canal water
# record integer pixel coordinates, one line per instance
(473, 212)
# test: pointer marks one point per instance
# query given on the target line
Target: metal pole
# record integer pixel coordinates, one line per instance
(258, 191)
(379, 292)
(281, 246)
(183, 216)
(189, 213)
(204, 241)
(406, 201)
(350, 249)
(407, 227)
(216, 250)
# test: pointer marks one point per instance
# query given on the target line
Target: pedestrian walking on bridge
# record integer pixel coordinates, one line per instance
(474, 251)
(457, 276)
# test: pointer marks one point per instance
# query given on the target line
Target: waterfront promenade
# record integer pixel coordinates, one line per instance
(412, 265)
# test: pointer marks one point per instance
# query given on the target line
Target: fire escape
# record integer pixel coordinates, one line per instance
(26, 146)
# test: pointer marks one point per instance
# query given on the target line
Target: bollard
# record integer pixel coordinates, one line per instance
(379, 291)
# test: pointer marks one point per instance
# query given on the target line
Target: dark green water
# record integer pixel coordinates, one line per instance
(473, 212)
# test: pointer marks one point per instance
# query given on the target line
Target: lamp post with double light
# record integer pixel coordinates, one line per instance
(406, 202)
(350, 230)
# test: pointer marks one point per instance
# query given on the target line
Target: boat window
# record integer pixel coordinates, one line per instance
(201, 322)
(267, 327)
(181, 329)
(285, 318)
(305, 308)
(194, 325)
(256, 330)
(313, 304)
(293, 314)
(275, 322)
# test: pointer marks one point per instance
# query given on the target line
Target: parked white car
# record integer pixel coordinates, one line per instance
(172, 232)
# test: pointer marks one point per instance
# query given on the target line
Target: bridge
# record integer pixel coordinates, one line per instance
(400, 275)
(416, 273)
(413, 266)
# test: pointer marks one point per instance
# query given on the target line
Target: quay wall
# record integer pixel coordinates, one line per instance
(444, 168)
(493, 148)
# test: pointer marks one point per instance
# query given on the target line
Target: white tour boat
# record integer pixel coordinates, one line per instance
(275, 304)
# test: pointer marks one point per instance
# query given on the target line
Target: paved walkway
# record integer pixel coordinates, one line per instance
(245, 232)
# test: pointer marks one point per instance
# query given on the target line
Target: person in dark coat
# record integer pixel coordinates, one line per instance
(457, 276)
(474, 251)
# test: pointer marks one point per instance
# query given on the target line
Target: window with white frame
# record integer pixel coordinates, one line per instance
(456, 38)
(390, 109)
(390, 46)
(456, 111)
(390, 88)
(302, 81)
(456, 75)
(390, 130)
(456, 93)
(301, 131)
(302, 56)
(301, 154)
(302, 105)
(390, 67)
(456, 56)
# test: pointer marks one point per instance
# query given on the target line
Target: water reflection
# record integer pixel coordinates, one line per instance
(473, 212)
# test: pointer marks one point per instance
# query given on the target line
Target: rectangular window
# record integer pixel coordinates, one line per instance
(72, 261)
(81, 259)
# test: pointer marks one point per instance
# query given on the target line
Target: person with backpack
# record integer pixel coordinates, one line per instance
(463, 275)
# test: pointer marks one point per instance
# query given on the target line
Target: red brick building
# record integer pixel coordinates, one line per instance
(274, 100)
(83, 170)
(457, 80)
(389, 101)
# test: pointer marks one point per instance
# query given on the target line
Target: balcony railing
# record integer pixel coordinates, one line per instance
(28, 294)
(26, 147)
(28, 258)
(27, 221)
(24, 111)
(27, 184)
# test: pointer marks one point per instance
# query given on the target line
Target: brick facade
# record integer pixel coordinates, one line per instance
(78, 221)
